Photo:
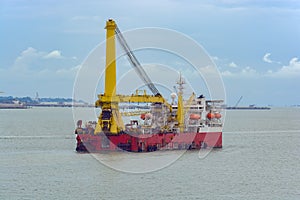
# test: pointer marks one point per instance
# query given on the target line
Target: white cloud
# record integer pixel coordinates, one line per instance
(31, 56)
(249, 71)
(68, 71)
(215, 58)
(232, 64)
(32, 72)
(54, 54)
(27, 54)
(26, 59)
(32, 62)
(287, 71)
(227, 73)
(290, 70)
(28, 51)
(240, 72)
(266, 58)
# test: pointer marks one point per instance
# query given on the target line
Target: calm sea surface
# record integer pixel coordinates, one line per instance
(260, 159)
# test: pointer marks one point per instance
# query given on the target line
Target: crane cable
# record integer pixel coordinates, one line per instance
(135, 63)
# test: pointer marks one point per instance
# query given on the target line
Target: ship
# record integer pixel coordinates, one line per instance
(13, 105)
(194, 123)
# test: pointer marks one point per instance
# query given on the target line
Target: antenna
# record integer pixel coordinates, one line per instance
(37, 97)
(180, 83)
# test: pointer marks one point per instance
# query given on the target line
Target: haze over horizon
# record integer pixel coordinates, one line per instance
(255, 44)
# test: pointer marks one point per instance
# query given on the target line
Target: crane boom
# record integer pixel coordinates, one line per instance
(135, 63)
(237, 103)
(110, 119)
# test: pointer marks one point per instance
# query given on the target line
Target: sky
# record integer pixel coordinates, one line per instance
(254, 44)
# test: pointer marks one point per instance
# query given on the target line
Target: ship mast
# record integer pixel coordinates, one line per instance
(180, 106)
(180, 83)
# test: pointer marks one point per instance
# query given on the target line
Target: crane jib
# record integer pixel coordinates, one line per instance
(135, 63)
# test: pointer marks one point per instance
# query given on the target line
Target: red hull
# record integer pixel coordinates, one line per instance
(148, 142)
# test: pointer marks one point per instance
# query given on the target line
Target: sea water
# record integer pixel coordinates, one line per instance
(260, 159)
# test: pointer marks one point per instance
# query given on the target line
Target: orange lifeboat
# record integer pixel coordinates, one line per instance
(143, 116)
(195, 116)
(210, 115)
(218, 115)
(148, 116)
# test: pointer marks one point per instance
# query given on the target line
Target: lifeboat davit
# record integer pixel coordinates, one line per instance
(195, 116)
(210, 115)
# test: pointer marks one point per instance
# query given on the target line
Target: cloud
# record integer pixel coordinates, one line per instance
(227, 73)
(32, 62)
(232, 64)
(248, 70)
(72, 70)
(54, 54)
(28, 51)
(215, 58)
(266, 58)
(240, 72)
(290, 70)
(26, 59)
(27, 54)
(31, 56)
(31, 72)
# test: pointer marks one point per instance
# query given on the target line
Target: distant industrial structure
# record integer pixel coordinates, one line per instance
(9, 102)
(250, 107)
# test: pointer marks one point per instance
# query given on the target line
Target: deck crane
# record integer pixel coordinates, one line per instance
(110, 120)
(135, 63)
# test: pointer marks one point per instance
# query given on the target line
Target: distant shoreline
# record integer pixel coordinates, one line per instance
(248, 108)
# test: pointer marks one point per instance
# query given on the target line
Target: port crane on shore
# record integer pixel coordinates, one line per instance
(237, 103)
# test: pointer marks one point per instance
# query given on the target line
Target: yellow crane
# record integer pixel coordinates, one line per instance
(110, 119)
